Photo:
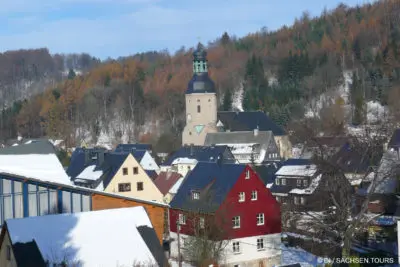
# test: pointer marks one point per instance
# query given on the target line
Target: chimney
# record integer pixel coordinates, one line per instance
(256, 131)
(191, 150)
(100, 157)
(87, 155)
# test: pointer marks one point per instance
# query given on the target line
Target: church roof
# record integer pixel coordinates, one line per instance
(201, 83)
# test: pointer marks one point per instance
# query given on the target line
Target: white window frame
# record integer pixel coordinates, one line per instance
(201, 222)
(260, 244)
(195, 195)
(260, 219)
(182, 219)
(254, 195)
(236, 247)
(298, 182)
(247, 174)
(236, 222)
(242, 196)
(278, 198)
(302, 200)
(277, 181)
(305, 182)
(296, 200)
(283, 181)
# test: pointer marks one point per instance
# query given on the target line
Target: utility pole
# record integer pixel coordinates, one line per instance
(178, 227)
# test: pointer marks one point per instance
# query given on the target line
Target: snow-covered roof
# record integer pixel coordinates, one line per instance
(89, 173)
(79, 236)
(174, 189)
(39, 166)
(36, 160)
(246, 148)
(297, 170)
(184, 161)
(309, 190)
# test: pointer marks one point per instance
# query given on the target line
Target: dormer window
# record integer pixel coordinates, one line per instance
(195, 195)
(305, 183)
(283, 181)
(298, 182)
(277, 182)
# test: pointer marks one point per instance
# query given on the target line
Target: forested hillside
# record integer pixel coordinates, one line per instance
(280, 72)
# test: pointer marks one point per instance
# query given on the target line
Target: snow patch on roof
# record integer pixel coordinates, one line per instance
(44, 167)
(246, 148)
(77, 236)
(297, 170)
(174, 189)
(184, 161)
(89, 173)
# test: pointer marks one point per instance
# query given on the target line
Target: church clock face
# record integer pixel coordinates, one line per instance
(189, 117)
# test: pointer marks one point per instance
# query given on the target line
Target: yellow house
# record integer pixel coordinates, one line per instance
(131, 180)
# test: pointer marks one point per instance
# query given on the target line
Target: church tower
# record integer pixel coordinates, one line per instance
(201, 102)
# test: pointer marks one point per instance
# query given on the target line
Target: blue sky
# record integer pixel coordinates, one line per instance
(113, 28)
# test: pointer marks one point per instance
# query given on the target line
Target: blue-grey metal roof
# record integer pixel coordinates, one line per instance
(248, 121)
(267, 172)
(213, 181)
(201, 154)
(133, 147)
(395, 139)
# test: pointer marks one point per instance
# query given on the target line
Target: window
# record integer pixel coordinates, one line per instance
(139, 186)
(195, 195)
(8, 252)
(303, 200)
(260, 219)
(278, 198)
(85, 203)
(198, 109)
(254, 195)
(305, 183)
(202, 222)
(298, 182)
(125, 187)
(260, 244)
(236, 247)
(182, 219)
(135, 170)
(283, 181)
(277, 182)
(125, 171)
(296, 200)
(76, 203)
(242, 197)
(236, 222)
(247, 174)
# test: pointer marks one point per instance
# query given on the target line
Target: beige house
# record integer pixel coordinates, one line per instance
(131, 180)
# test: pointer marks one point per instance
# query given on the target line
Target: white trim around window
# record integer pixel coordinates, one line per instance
(254, 195)
(242, 197)
(260, 219)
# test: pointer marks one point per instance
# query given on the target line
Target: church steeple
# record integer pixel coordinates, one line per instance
(200, 60)
(200, 82)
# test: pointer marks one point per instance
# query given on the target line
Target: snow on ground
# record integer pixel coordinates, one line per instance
(237, 98)
(90, 174)
(77, 236)
(375, 112)
(44, 167)
(292, 255)
(174, 263)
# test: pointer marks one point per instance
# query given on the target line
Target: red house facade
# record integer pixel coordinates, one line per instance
(232, 198)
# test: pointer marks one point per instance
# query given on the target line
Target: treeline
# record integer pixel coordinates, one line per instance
(281, 72)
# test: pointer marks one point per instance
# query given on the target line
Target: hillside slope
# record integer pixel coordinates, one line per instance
(279, 72)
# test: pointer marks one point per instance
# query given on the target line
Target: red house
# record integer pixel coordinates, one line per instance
(234, 200)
